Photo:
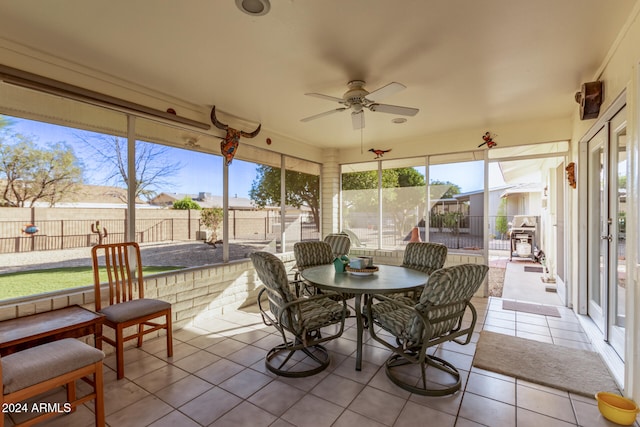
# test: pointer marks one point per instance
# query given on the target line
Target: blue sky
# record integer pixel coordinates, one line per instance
(204, 172)
(200, 172)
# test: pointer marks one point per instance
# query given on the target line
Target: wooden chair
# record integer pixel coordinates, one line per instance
(127, 307)
(31, 372)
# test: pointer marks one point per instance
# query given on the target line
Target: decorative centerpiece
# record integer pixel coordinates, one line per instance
(365, 271)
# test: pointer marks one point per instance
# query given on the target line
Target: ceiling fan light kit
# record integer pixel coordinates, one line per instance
(357, 98)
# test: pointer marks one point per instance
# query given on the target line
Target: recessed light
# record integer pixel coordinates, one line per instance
(254, 7)
(399, 120)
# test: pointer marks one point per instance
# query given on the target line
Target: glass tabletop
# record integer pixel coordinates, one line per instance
(388, 279)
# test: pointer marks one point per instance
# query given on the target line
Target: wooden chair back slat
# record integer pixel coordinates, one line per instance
(123, 265)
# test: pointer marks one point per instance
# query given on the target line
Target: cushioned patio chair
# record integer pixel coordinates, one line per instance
(311, 254)
(298, 319)
(426, 257)
(438, 317)
(36, 370)
(340, 244)
(126, 305)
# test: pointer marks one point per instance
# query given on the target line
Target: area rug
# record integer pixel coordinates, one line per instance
(545, 310)
(573, 370)
(533, 269)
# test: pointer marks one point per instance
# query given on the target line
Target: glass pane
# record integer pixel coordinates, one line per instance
(404, 200)
(302, 211)
(360, 203)
(258, 225)
(595, 222)
(61, 201)
(621, 209)
(456, 205)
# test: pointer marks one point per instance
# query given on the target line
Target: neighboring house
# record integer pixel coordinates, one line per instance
(92, 196)
(205, 200)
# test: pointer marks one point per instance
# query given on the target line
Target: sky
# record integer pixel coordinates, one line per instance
(203, 173)
(200, 172)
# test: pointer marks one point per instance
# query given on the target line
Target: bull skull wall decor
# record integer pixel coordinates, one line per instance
(229, 144)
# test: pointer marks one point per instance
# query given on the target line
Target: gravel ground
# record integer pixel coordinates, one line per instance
(183, 254)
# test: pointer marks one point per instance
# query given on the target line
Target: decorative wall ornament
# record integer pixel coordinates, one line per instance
(571, 174)
(590, 98)
(379, 153)
(488, 140)
(230, 142)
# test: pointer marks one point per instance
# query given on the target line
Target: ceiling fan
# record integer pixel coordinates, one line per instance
(357, 98)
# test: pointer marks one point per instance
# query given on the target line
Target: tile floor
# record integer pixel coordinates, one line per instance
(217, 378)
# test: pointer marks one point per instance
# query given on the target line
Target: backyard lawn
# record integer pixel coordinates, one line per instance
(25, 283)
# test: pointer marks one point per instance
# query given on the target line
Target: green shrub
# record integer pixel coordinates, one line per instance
(186, 204)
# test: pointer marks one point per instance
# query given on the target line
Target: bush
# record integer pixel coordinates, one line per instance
(211, 218)
(186, 204)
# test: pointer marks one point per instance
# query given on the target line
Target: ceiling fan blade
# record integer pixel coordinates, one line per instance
(326, 113)
(384, 91)
(358, 120)
(394, 109)
(327, 97)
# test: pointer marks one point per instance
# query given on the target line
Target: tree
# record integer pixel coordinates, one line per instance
(502, 226)
(443, 189)
(34, 174)
(211, 219)
(302, 189)
(363, 196)
(186, 203)
(154, 163)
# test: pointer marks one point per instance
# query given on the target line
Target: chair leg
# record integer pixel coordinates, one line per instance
(98, 384)
(169, 335)
(119, 352)
(140, 333)
(71, 393)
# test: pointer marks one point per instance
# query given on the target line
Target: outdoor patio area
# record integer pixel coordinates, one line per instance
(217, 377)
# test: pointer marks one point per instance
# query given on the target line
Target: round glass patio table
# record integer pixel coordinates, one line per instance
(388, 279)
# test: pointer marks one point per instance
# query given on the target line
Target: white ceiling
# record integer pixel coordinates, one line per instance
(466, 63)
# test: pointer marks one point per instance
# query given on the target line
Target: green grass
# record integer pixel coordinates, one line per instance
(25, 283)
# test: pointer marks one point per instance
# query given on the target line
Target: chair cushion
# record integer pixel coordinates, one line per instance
(317, 314)
(133, 309)
(38, 364)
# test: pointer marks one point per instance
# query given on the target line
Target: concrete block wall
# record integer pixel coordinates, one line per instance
(196, 293)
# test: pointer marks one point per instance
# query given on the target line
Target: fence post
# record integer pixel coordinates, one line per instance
(62, 234)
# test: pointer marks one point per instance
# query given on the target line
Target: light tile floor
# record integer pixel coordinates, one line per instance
(217, 377)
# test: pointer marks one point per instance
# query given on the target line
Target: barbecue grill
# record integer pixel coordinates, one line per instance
(524, 232)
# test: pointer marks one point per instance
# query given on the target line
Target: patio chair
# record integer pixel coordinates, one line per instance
(311, 254)
(438, 317)
(426, 257)
(125, 306)
(298, 319)
(36, 370)
(340, 244)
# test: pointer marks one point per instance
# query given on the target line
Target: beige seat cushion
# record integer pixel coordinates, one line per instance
(133, 309)
(38, 364)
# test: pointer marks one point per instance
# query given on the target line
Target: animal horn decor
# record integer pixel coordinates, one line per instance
(230, 142)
